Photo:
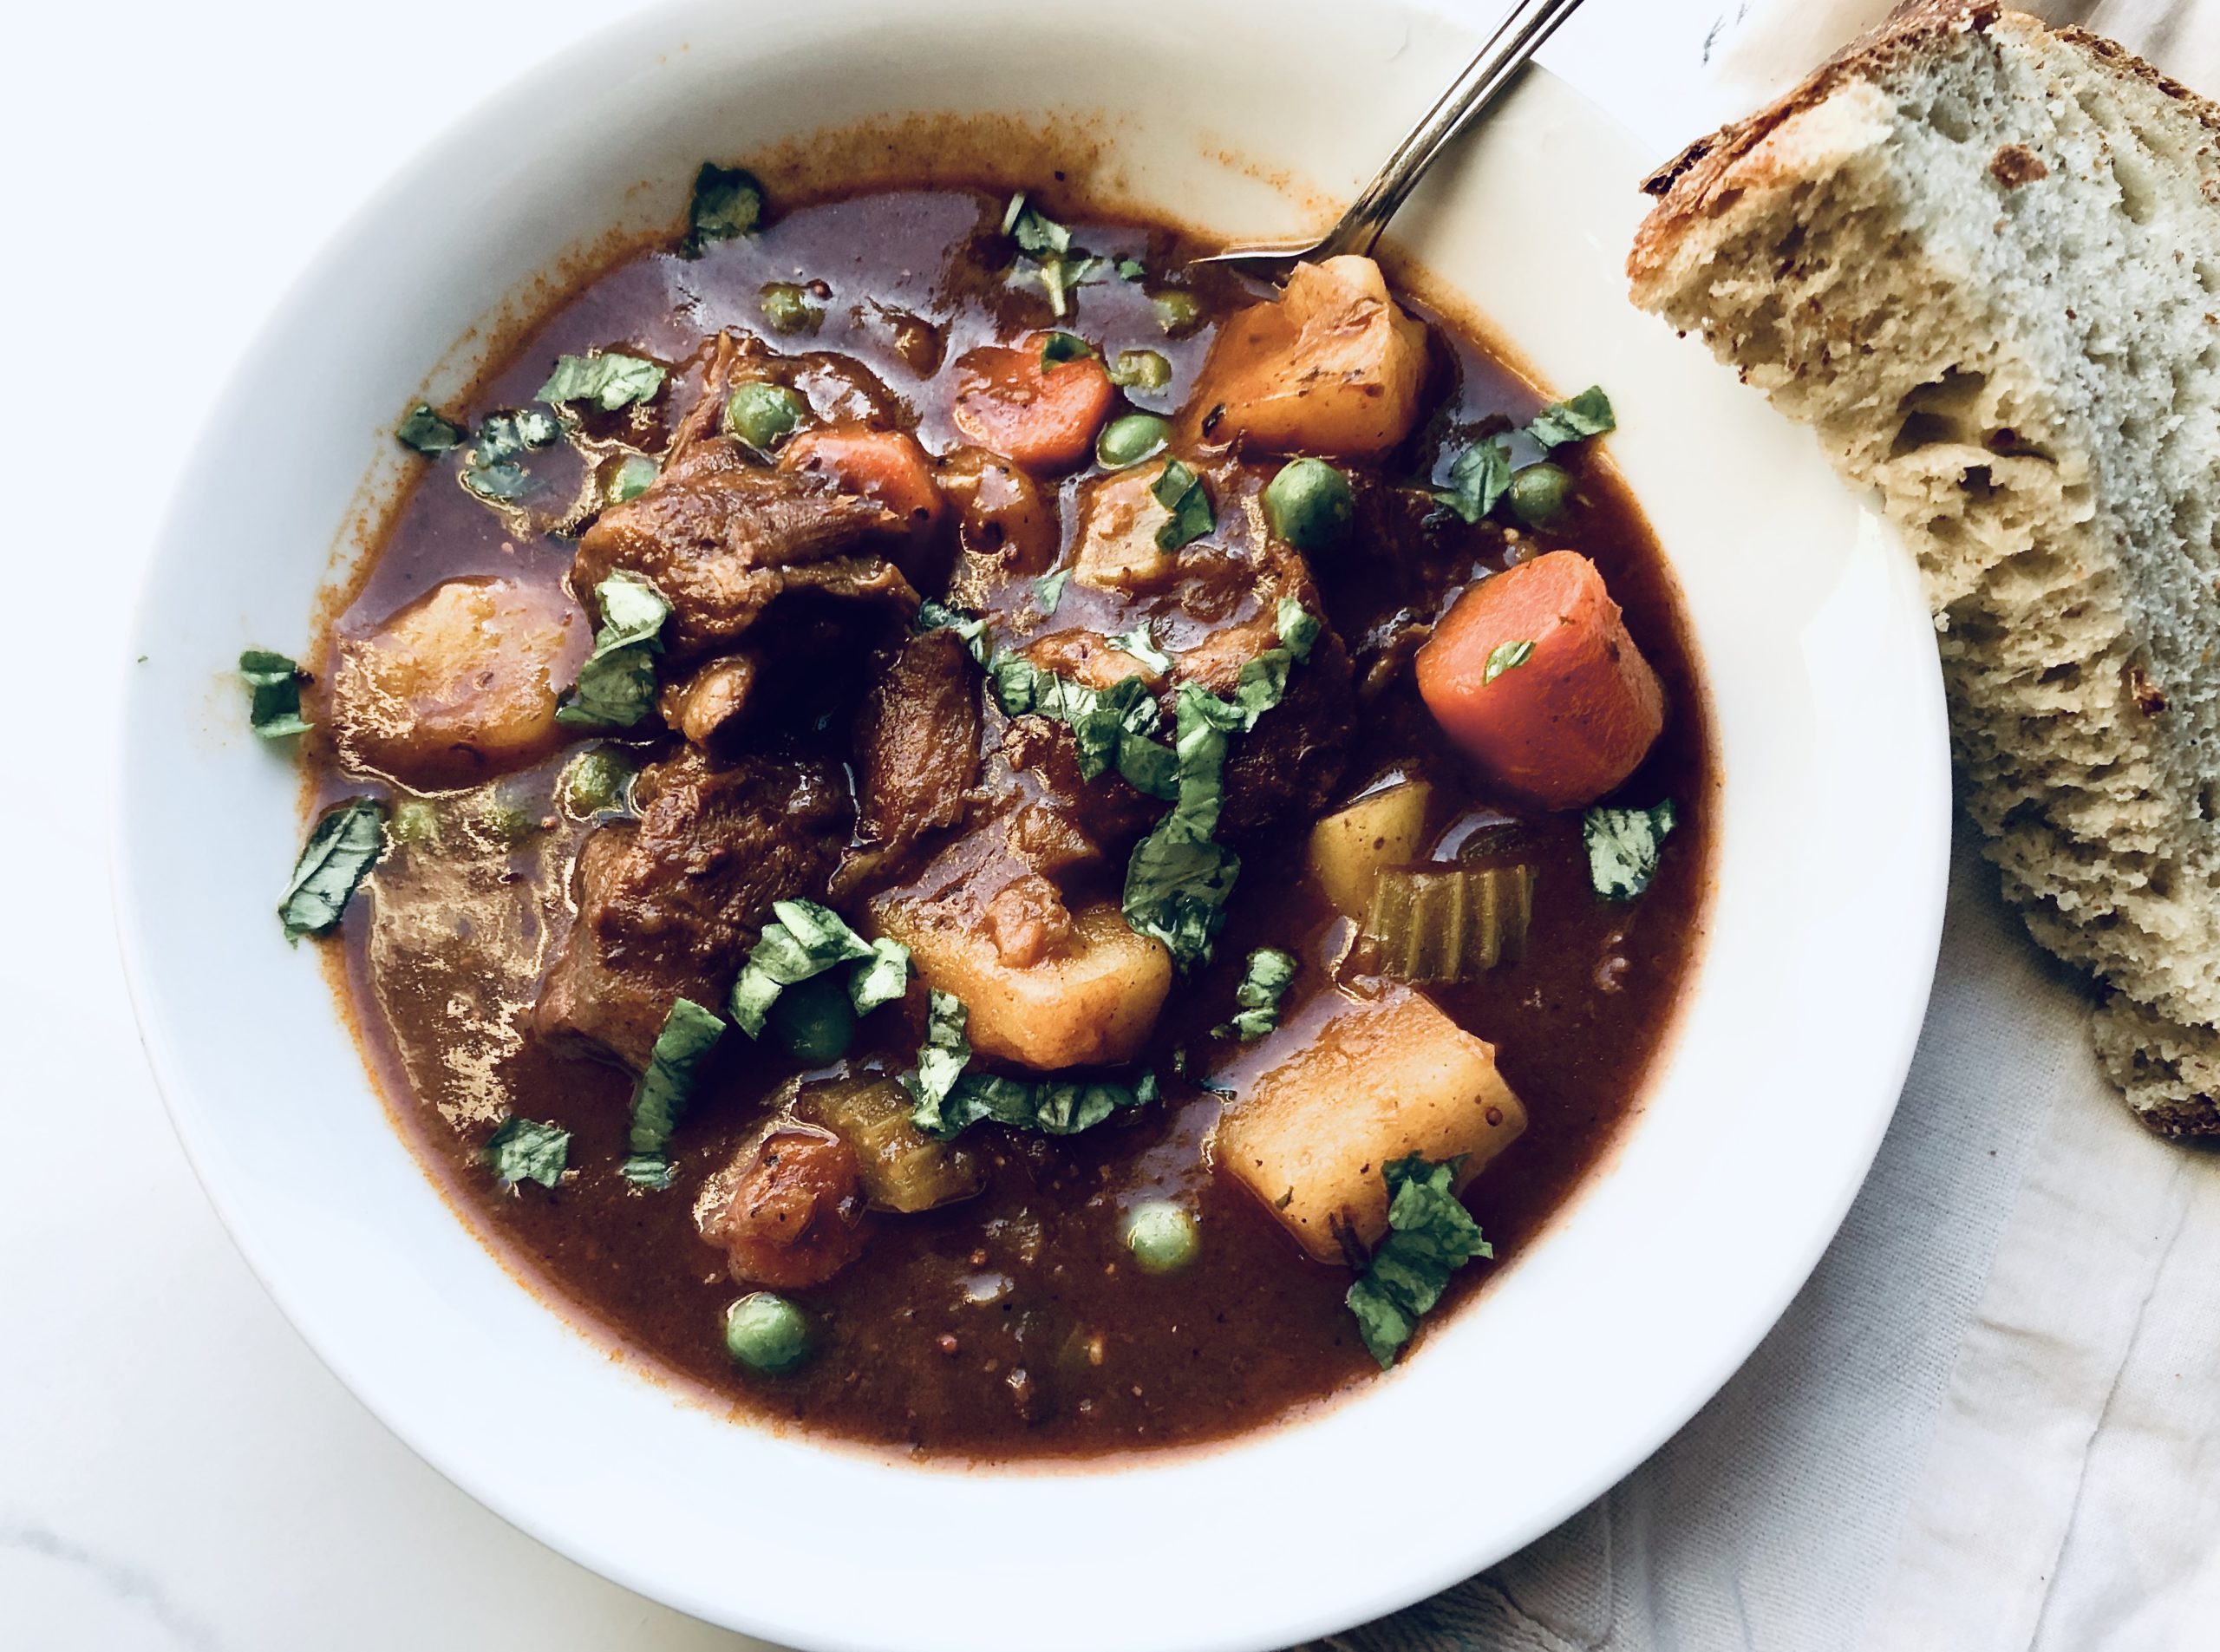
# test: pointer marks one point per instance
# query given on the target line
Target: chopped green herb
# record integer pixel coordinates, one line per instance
(341, 850)
(1430, 1236)
(949, 1100)
(881, 978)
(491, 470)
(940, 1061)
(1059, 348)
(689, 1034)
(633, 475)
(1057, 264)
(273, 683)
(1298, 627)
(608, 379)
(1179, 877)
(1624, 846)
(727, 203)
(786, 307)
(1140, 369)
(617, 684)
(428, 432)
(1048, 591)
(1264, 981)
(1505, 656)
(1130, 268)
(1114, 726)
(970, 629)
(1141, 645)
(1588, 413)
(1181, 492)
(524, 1150)
(805, 940)
(1479, 478)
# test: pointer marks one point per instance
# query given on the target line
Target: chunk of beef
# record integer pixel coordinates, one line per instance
(670, 904)
(918, 742)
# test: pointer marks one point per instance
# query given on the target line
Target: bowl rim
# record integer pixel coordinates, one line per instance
(187, 1108)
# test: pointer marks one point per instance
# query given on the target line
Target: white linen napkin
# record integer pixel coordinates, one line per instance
(1991, 1422)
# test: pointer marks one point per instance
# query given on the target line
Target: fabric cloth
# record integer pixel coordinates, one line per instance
(1990, 1421)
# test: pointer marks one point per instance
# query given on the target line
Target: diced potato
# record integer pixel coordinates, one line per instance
(1374, 1081)
(1119, 518)
(460, 684)
(1094, 1001)
(903, 1169)
(1349, 847)
(1332, 367)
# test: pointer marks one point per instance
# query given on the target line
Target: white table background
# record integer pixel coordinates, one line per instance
(177, 1471)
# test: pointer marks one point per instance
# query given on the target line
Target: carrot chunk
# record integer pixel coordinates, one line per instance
(884, 465)
(1009, 402)
(1533, 675)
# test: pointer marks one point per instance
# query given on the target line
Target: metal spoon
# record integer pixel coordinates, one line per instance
(1516, 39)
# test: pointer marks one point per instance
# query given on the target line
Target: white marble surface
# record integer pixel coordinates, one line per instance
(176, 1469)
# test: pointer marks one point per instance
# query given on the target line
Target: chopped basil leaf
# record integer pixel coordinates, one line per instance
(1298, 628)
(1048, 591)
(273, 693)
(1130, 269)
(970, 629)
(1059, 348)
(1178, 877)
(1114, 726)
(881, 978)
(617, 684)
(949, 1100)
(1140, 645)
(727, 203)
(1479, 478)
(805, 940)
(1505, 656)
(1430, 1236)
(1588, 413)
(646, 1170)
(1181, 492)
(524, 1150)
(493, 472)
(941, 1062)
(425, 431)
(634, 476)
(1034, 232)
(1057, 264)
(1624, 847)
(689, 1034)
(609, 380)
(340, 852)
(1264, 981)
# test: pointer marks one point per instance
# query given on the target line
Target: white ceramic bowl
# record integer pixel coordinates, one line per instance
(1605, 1337)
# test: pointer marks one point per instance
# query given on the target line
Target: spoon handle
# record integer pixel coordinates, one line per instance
(1516, 39)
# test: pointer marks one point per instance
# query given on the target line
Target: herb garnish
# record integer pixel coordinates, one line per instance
(608, 379)
(1113, 728)
(1430, 1236)
(949, 1100)
(1181, 492)
(1505, 656)
(425, 431)
(1264, 981)
(525, 1150)
(1130, 269)
(1624, 846)
(970, 629)
(689, 1034)
(341, 850)
(1059, 348)
(805, 941)
(1048, 591)
(1588, 413)
(1057, 264)
(492, 472)
(1480, 476)
(727, 202)
(1139, 644)
(273, 684)
(617, 684)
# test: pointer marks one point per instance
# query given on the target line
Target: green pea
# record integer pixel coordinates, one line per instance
(413, 821)
(1162, 1236)
(760, 414)
(1309, 505)
(595, 781)
(786, 307)
(1140, 369)
(628, 478)
(1539, 493)
(766, 1332)
(1130, 440)
(1176, 312)
(814, 1020)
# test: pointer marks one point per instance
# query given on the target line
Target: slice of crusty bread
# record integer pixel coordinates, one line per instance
(1982, 258)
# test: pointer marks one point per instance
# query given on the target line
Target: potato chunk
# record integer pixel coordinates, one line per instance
(1374, 1081)
(1349, 847)
(1331, 367)
(1119, 518)
(1095, 999)
(460, 684)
